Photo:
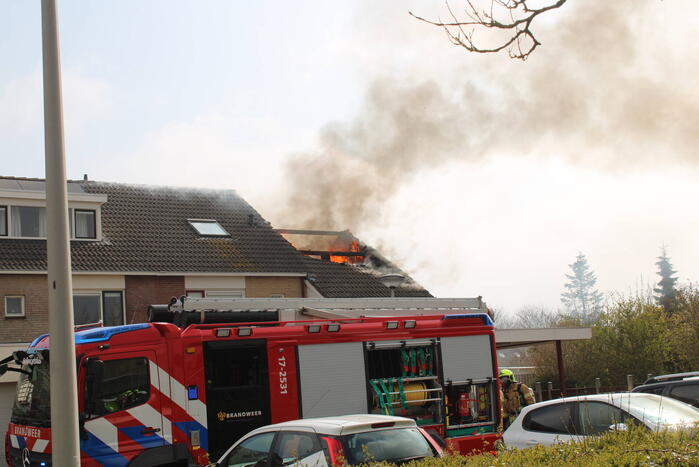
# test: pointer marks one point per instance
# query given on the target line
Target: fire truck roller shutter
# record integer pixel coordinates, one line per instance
(467, 357)
(7, 397)
(333, 379)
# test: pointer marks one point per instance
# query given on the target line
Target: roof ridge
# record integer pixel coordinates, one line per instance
(32, 179)
(127, 184)
(163, 187)
(26, 179)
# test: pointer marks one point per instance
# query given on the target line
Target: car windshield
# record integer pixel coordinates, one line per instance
(31, 406)
(660, 410)
(394, 445)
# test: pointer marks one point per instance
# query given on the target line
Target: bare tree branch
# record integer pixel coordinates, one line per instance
(511, 17)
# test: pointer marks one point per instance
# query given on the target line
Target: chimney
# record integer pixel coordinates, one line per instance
(84, 177)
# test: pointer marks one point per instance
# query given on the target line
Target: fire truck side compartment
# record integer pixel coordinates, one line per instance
(404, 379)
(467, 357)
(332, 379)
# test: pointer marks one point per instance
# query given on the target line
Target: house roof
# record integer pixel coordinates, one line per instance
(340, 280)
(145, 229)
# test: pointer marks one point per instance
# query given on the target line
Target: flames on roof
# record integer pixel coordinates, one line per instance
(341, 246)
(329, 245)
(351, 266)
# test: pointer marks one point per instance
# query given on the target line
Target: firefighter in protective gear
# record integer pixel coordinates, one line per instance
(513, 396)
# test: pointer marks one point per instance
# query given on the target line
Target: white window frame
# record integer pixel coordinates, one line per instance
(12, 315)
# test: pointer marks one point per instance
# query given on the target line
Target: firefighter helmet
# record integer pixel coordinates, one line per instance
(508, 373)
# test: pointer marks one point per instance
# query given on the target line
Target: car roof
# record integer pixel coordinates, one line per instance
(672, 377)
(343, 424)
(612, 397)
(628, 401)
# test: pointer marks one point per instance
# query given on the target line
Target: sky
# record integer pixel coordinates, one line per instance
(478, 174)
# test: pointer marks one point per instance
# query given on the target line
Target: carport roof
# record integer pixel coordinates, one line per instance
(508, 338)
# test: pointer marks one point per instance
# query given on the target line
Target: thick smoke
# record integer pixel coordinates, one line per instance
(403, 128)
(600, 92)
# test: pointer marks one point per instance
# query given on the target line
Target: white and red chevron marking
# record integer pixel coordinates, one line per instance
(175, 391)
(104, 430)
(163, 387)
(22, 435)
(33, 444)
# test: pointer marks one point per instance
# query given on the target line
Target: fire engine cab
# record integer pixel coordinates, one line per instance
(182, 388)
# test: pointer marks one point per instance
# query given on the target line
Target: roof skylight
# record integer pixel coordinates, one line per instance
(208, 227)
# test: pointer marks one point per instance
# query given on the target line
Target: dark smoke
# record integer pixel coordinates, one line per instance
(598, 93)
(403, 128)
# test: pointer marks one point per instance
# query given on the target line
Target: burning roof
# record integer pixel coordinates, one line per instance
(342, 247)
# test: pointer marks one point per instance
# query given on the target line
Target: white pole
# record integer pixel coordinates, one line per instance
(64, 400)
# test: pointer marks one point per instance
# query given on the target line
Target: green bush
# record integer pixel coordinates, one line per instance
(634, 447)
(633, 336)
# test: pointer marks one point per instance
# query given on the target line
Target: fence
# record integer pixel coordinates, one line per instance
(549, 392)
(546, 391)
(524, 374)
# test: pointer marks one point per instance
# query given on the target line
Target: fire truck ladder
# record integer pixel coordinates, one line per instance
(189, 310)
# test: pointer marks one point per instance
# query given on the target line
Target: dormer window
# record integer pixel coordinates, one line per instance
(29, 221)
(208, 228)
(85, 225)
(23, 211)
(3, 221)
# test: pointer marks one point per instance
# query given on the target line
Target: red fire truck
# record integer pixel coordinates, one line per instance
(181, 389)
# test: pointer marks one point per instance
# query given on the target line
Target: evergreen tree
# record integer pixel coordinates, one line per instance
(666, 295)
(581, 298)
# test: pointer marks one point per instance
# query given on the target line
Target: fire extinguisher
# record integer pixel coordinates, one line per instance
(464, 409)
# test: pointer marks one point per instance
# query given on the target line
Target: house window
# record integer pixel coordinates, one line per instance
(107, 306)
(113, 308)
(232, 293)
(28, 221)
(14, 306)
(87, 308)
(208, 227)
(3, 221)
(85, 225)
(195, 293)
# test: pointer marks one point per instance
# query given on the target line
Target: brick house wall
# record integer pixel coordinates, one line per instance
(142, 291)
(260, 287)
(34, 288)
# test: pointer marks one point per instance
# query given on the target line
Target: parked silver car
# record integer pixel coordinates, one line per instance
(574, 418)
